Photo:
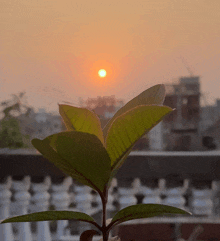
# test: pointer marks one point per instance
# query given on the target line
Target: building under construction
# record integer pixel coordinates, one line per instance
(182, 125)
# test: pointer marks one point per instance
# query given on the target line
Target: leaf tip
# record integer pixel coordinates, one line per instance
(35, 141)
(4, 221)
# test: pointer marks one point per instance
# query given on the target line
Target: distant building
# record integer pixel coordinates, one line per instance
(183, 122)
(210, 126)
(210, 114)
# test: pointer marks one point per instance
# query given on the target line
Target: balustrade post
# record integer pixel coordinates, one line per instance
(202, 202)
(41, 202)
(174, 192)
(216, 197)
(187, 194)
(162, 190)
(115, 194)
(6, 233)
(175, 197)
(83, 198)
(83, 204)
(110, 207)
(136, 185)
(126, 197)
(22, 201)
(151, 195)
(61, 201)
(138, 190)
(96, 201)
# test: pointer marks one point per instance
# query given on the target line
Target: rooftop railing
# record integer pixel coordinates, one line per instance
(186, 180)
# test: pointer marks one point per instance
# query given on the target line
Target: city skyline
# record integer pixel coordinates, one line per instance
(53, 50)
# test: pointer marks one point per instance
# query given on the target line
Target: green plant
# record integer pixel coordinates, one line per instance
(93, 156)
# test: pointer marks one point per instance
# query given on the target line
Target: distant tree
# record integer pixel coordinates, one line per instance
(105, 107)
(15, 106)
(10, 130)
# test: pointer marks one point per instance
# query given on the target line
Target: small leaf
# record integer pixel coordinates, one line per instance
(81, 119)
(152, 96)
(145, 211)
(88, 235)
(80, 155)
(50, 216)
(128, 128)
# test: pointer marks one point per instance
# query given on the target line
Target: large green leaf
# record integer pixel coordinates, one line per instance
(129, 128)
(81, 119)
(145, 211)
(152, 96)
(80, 155)
(44, 147)
(50, 216)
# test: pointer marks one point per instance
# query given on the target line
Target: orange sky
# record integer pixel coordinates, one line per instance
(54, 49)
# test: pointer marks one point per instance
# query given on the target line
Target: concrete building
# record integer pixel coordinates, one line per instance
(210, 114)
(183, 122)
(210, 125)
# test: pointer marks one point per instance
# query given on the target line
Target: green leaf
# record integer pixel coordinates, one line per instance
(78, 154)
(88, 235)
(145, 211)
(129, 128)
(81, 119)
(44, 147)
(50, 216)
(152, 96)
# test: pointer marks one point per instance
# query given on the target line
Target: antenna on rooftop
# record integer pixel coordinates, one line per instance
(187, 66)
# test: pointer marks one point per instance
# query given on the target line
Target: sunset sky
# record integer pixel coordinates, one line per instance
(54, 49)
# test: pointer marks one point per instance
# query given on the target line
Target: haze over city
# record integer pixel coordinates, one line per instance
(53, 50)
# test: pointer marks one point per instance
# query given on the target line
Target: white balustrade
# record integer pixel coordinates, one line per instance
(110, 206)
(175, 197)
(61, 201)
(137, 187)
(83, 199)
(202, 203)
(162, 190)
(151, 195)
(114, 193)
(186, 185)
(83, 204)
(216, 198)
(127, 195)
(96, 201)
(22, 200)
(41, 202)
(22, 192)
(6, 233)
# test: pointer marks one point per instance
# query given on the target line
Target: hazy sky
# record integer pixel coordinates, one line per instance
(54, 49)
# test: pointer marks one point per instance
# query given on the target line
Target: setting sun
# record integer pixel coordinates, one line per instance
(102, 73)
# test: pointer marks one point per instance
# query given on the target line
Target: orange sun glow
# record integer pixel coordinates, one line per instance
(102, 73)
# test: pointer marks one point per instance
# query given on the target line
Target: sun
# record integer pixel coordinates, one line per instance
(102, 73)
